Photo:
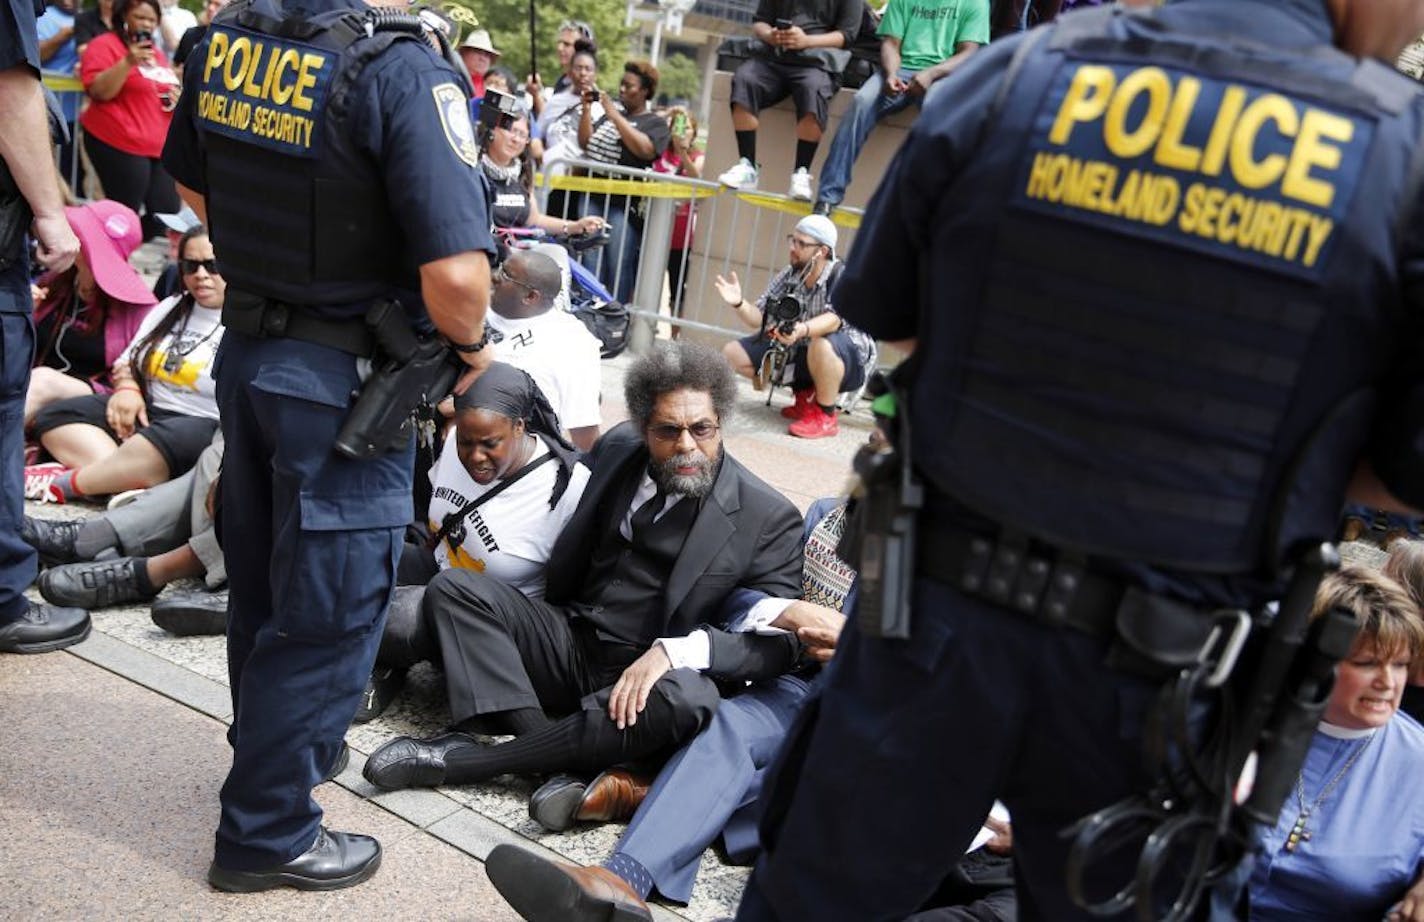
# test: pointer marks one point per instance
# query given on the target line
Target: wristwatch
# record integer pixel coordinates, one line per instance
(476, 346)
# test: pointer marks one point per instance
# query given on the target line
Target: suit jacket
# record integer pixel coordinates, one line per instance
(746, 535)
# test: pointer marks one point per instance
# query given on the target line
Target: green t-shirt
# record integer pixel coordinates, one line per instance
(928, 30)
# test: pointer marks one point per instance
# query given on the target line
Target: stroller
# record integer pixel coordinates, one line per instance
(588, 300)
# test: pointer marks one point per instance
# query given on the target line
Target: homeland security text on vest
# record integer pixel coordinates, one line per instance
(264, 82)
(1209, 164)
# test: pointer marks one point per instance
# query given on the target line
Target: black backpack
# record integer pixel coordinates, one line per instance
(607, 321)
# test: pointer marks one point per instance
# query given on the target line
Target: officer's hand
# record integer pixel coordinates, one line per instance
(124, 409)
(729, 289)
(1411, 908)
(894, 86)
(630, 693)
(1002, 842)
(477, 362)
(919, 84)
(57, 245)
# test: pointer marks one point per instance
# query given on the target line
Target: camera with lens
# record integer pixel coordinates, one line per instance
(498, 110)
(784, 313)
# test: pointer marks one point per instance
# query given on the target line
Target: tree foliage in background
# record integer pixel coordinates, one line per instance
(508, 25)
(680, 77)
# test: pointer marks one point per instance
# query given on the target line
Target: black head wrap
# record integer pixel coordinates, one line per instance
(510, 392)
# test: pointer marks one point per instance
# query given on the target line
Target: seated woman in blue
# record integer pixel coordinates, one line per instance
(1349, 844)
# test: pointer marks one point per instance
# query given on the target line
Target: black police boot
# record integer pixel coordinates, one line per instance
(196, 613)
(44, 628)
(335, 860)
(53, 538)
(96, 585)
(381, 689)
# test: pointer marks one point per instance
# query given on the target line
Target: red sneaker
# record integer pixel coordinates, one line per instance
(804, 400)
(39, 482)
(816, 424)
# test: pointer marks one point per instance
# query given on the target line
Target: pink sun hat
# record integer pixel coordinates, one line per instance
(108, 234)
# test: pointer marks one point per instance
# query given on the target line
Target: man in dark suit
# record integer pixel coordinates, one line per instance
(623, 651)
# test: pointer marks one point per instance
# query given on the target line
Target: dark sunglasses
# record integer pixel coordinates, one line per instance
(189, 266)
(700, 431)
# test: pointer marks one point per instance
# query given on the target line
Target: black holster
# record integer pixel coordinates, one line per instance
(408, 372)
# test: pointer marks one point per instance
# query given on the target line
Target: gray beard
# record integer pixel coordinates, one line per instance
(696, 485)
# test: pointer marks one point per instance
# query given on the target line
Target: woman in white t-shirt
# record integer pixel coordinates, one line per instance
(163, 410)
(504, 486)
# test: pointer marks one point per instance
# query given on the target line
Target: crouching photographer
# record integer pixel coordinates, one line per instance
(797, 325)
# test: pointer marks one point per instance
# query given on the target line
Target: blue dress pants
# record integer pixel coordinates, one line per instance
(312, 539)
(17, 350)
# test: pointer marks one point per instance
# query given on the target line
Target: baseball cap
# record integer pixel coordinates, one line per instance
(181, 222)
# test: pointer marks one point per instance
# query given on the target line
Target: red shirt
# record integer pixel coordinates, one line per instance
(134, 120)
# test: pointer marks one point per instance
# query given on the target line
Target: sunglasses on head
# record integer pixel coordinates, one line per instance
(189, 266)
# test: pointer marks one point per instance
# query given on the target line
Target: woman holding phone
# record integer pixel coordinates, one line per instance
(132, 92)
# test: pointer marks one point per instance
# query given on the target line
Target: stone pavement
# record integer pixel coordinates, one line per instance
(112, 754)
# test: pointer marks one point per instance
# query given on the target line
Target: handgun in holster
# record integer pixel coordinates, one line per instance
(880, 531)
(408, 371)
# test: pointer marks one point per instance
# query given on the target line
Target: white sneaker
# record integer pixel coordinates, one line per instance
(801, 185)
(742, 176)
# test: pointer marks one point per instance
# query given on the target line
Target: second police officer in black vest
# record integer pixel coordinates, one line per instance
(333, 154)
(1162, 274)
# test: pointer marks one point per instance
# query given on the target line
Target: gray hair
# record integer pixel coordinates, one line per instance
(675, 366)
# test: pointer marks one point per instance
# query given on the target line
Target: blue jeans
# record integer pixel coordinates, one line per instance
(616, 263)
(869, 106)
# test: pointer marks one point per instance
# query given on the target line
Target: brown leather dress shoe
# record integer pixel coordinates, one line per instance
(541, 890)
(613, 797)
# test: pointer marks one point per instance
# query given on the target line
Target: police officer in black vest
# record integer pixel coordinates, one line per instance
(331, 151)
(30, 202)
(1161, 274)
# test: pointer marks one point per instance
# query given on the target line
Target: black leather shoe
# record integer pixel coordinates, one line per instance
(555, 804)
(335, 860)
(192, 613)
(343, 759)
(93, 585)
(405, 762)
(541, 890)
(44, 628)
(53, 538)
(381, 689)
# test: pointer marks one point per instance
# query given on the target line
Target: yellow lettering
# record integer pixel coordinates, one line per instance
(1191, 208)
(1214, 154)
(217, 51)
(236, 64)
(249, 83)
(1127, 143)
(1250, 172)
(1211, 207)
(1086, 99)
(281, 88)
(1171, 151)
(1312, 150)
(306, 79)
(1320, 229)
(1233, 212)
(1038, 175)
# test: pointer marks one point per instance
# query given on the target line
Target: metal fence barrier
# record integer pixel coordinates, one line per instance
(71, 99)
(741, 232)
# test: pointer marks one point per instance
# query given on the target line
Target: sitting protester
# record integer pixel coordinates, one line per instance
(510, 171)
(1350, 839)
(504, 486)
(162, 413)
(87, 315)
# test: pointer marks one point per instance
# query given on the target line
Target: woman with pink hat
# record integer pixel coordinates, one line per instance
(89, 313)
(163, 409)
(132, 91)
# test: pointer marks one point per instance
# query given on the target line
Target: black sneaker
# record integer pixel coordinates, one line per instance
(94, 585)
(194, 613)
(823, 208)
(381, 689)
(53, 538)
(43, 629)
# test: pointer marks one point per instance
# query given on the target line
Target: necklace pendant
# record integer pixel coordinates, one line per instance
(1298, 834)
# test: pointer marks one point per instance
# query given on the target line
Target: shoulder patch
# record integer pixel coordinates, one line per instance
(454, 108)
